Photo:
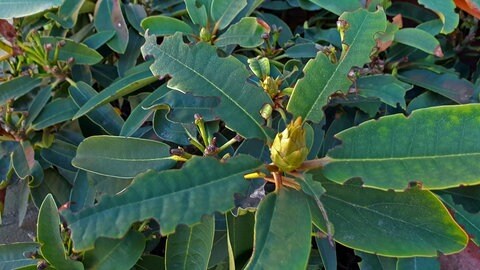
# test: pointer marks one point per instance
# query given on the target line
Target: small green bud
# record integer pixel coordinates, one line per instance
(289, 149)
(205, 35)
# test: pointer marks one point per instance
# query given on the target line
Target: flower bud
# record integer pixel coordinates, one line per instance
(270, 86)
(289, 149)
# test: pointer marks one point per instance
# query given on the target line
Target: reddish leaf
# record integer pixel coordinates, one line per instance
(467, 259)
(7, 31)
(469, 7)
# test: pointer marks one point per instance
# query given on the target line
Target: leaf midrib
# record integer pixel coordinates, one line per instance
(216, 87)
(340, 64)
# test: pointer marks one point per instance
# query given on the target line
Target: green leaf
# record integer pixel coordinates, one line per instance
(323, 78)
(109, 17)
(83, 192)
(135, 14)
(104, 116)
(48, 234)
(247, 33)
(327, 252)
(447, 84)
(53, 183)
(129, 59)
(60, 154)
(22, 8)
(17, 87)
(419, 39)
(190, 246)
(197, 11)
(67, 13)
(445, 10)
(96, 40)
(150, 262)
(14, 255)
(82, 54)
(160, 25)
(385, 87)
(57, 111)
(463, 203)
(418, 263)
(387, 223)
(391, 152)
(172, 131)
(224, 11)
(282, 232)
(167, 196)
(115, 253)
(376, 262)
(240, 238)
(228, 81)
(23, 159)
(183, 107)
(38, 103)
(139, 115)
(121, 157)
(339, 6)
(119, 88)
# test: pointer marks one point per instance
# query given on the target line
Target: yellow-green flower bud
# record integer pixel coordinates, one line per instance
(205, 35)
(270, 86)
(289, 149)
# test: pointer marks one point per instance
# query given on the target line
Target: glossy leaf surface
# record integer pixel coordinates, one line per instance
(228, 81)
(121, 157)
(166, 196)
(282, 217)
(395, 150)
(323, 78)
(400, 224)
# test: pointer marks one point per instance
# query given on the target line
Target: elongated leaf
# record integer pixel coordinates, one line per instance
(104, 116)
(172, 131)
(96, 40)
(21, 8)
(418, 263)
(282, 232)
(67, 13)
(115, 253)
(323, 78)
(113, 22)
(163, 196)
(395, 150)
(119, 88)
(455, 199)
(190, 247)
(163, 25)
(135, 14)
(57, 111)
(17, 87)
(339, 6)
(183, 107)
(247, 33)
(139, 115)
(399, 224)
(447, 84)
(38, 103)
(419, 39)
(83, 192)
(224, 11)
(191, 69)
(385, 87)
(82, 54)
(150, 262)
(445, 10)
(14, 255)
(53, 183)
(197, 11)
(60, 154)
(376, 262)
(121, 157)
(240, 238)
(23, 159)
(48, 233)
